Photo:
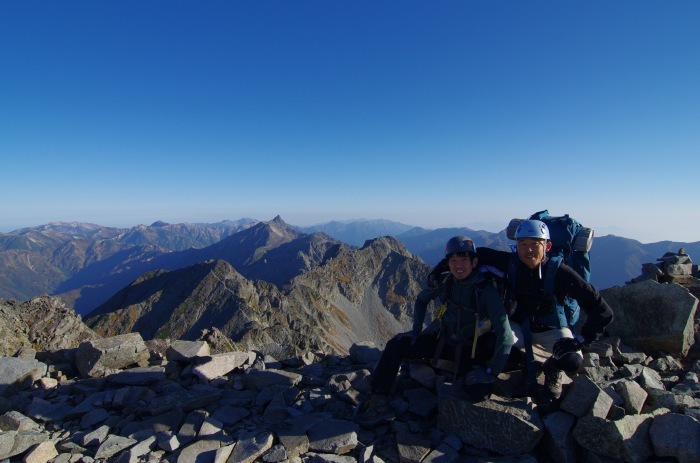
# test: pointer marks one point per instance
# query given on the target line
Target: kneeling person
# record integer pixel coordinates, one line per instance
(471, 329)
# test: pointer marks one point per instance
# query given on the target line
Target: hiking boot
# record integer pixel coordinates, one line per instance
(374, 411)
(552, 380)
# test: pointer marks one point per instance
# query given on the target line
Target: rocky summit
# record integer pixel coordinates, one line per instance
(69, 395)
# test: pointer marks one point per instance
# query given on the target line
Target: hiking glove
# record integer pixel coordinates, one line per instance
(567, 346)
(478, 375)
(434, 275)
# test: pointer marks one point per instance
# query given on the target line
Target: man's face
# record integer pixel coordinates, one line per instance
(461, 266)
(532, 251)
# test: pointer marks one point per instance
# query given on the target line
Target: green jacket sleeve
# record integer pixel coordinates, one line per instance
(421, 306)
(500, 325)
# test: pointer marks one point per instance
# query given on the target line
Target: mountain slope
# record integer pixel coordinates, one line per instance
(93, 285)
(39, 260)
(354, 295)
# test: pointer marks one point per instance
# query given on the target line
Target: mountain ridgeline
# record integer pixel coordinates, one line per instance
(260, 283)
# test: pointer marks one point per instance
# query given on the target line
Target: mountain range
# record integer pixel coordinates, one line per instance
(334, 281)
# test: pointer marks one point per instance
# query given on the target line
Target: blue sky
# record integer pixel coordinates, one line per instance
(429, 113)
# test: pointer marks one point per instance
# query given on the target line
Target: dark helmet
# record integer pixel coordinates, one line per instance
(459, 244)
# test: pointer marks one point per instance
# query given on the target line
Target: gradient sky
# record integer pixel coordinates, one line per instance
(429, 113)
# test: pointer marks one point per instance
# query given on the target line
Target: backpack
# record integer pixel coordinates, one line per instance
(451, 315)
(571, 243)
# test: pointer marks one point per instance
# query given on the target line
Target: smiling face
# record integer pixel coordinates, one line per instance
(532, 251)
(461, 266)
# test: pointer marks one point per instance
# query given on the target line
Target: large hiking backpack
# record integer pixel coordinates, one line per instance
(571, 243)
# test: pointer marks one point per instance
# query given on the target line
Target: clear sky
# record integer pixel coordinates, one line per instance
(430, 113)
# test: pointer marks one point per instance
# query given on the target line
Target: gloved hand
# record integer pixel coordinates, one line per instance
(478, 375)
(477, 384)
(567, 346)
(434, 275)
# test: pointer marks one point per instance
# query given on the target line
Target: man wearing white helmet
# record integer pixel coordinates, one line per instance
(534, 310)
(471, 329)
(534, 316)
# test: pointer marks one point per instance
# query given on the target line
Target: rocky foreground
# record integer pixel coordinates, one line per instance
(68, 395)
(121, 399)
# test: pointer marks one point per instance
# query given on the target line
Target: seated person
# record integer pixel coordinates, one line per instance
(472, 329)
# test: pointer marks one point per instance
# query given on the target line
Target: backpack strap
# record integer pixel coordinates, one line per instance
(509, 301)
(479, 326)
(550, 272)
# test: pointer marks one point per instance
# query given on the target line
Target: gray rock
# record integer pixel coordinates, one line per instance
(333, 436)
(412, 448)
(365, 353)
(48, 412)
(259, 380)
(98, 357)
(190, 428)
(558, 438)
(138, 376)
(17, 374)
(652, 316)
(442, 454)
(134, 454)
(187, 351)
(15, 421)
(17, 442)
(677, 436)
(113, 445)
(329, 458)
(295, 441)
(626, 439)
(586, 397)
(275, 454)
(41, 453)
(423, 374)
(485, 424)
(251, 447)
(224, 453)
(218, 365)
(634, 396)
(201, 451)
(276, 410)
(93, 417)
(650, 379)
(93, 438)
(185, 400)
(230, 415)
(212, 428)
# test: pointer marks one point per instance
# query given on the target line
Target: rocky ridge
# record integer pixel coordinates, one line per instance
(346, 295)
(123, 399)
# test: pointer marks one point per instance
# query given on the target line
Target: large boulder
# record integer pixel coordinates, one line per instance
(501, 425)
(626, 439)
(100, 357)
(653, 316)
(17, 374)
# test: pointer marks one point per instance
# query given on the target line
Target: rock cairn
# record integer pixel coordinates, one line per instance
(123, 399)
(672, 267)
